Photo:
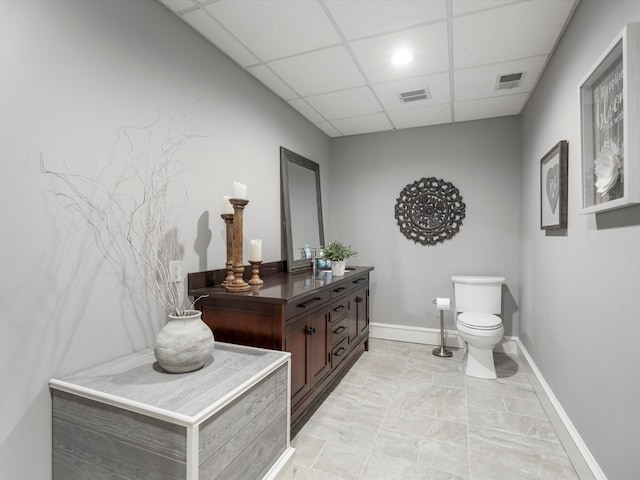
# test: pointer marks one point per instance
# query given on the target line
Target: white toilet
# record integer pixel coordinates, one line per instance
(477, 301)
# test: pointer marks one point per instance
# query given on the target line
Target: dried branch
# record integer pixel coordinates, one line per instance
(136, 209)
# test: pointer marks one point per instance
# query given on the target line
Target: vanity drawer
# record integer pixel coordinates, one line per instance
(340, 289)
(306, 304)
(359, 281)
(339, 330)
(339, 352)
(339, 309)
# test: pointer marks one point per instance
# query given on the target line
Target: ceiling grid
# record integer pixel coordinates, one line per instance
(331, 59)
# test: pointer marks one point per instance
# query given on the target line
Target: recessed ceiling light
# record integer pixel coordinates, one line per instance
(402, 57)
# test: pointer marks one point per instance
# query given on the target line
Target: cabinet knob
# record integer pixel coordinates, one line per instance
(311, 330)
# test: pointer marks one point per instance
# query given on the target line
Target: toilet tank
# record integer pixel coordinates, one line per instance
(478, 294)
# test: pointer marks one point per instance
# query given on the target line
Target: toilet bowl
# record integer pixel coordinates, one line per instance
(478, 300)
(481, 332)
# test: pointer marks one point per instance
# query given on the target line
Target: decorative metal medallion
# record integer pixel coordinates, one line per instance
(430, 211)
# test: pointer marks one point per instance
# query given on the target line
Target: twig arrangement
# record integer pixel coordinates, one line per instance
(135, 209)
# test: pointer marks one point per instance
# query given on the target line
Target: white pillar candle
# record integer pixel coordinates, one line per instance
(239, 190)
(226, 205)
(255, 252)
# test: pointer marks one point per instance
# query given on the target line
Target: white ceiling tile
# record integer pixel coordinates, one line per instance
(329, 129)
(428, 44)
(345, 103)
(272, 81)
(466, 6)
(179, 5)
(480, 82)
(319, 72)
(490, 107)
(330, 59)
(421, 117)
(364, 18)
(307, 111)
(375, 122)
(276, 28)
(520, 30)
(212, 31)
(439, 88)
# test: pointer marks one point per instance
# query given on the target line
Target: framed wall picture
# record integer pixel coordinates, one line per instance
(610, 125)
(553, 187)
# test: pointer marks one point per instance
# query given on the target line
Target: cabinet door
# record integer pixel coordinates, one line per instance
(358, 314)
(352, 317)
(296, 341)
(361, 299)
(319, 345)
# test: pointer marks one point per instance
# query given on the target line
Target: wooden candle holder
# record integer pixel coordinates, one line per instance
(238, 284)
(255, 273)
(228, 220)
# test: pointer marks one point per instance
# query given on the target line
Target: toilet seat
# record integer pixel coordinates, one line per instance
(480, 321)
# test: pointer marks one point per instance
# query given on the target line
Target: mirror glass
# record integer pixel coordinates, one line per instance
(301, 208)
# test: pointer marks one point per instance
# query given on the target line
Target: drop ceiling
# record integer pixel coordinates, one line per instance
(331, 59)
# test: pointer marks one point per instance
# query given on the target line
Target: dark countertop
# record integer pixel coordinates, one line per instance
(285, 287)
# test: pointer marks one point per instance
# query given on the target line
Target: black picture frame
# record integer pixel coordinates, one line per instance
(554, 176)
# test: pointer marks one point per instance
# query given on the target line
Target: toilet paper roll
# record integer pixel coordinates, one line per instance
(443, 303)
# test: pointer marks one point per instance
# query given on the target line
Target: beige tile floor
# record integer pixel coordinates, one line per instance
(403, 413)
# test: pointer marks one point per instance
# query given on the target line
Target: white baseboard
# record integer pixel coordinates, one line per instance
(430, 336)
(512, 345)
(564, 418)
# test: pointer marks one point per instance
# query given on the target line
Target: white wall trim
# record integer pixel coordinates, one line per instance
(430, 336)
(573, 432)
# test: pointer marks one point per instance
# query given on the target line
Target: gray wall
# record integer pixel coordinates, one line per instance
(73, 73)
(482, 159)
(580, 291)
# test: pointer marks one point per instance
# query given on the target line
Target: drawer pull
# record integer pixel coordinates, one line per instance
(339, 289)
(339, 308)
(340, 329)
(309, 302)
(360, 280)
(340, 352)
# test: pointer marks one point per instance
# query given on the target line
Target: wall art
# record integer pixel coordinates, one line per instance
(610, 125)
(553, 187)
(429, 211)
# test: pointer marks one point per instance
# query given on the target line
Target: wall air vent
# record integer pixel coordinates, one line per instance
(507, 82)
(414, 95)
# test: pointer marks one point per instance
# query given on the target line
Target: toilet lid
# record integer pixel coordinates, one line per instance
(481, 321)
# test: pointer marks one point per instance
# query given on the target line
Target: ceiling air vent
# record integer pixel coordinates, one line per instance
(414, 95)
(506, 82)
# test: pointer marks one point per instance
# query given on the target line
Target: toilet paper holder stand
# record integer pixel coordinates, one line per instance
(441, 351)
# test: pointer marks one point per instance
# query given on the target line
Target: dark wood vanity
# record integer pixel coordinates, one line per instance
(322, 320)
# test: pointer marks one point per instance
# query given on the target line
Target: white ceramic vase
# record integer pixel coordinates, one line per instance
(337, 268)
(184, 344)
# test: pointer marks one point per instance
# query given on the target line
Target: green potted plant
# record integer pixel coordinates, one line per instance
(338, 253)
